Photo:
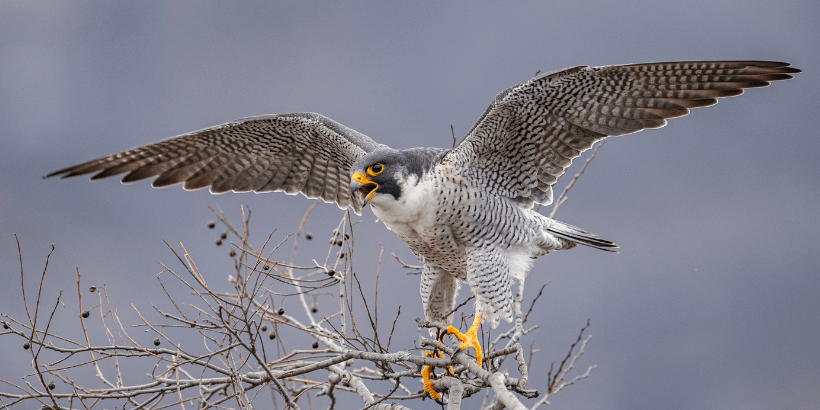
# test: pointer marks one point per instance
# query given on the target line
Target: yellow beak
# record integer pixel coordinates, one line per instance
(362, 187)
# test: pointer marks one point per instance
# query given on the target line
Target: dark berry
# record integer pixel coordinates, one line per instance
(341, 255)
(233, 253)
(263, 328)
(339, 242)
(156, 342)
(314, 309)
(315, 345)
(267, 267)
(51, 386)
(272, 335)
(224, 235)
(308, 236)
(85, 314)
(211, 224)
(92, 289)
(281, 311)
(26, 345)
(331, 273)
(219, 242)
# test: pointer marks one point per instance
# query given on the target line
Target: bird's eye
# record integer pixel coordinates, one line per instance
(375, 169)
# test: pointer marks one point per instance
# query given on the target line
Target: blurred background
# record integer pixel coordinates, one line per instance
(712, 303)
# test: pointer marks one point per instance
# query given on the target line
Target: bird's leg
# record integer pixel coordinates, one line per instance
(469, 339)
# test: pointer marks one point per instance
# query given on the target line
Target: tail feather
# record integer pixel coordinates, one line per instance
(580, 236)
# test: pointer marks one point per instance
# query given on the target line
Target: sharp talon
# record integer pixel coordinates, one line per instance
(469, 339)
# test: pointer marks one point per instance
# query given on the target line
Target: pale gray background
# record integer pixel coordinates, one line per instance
(712, 302)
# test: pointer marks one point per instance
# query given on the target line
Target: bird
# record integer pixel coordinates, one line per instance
(466, 212)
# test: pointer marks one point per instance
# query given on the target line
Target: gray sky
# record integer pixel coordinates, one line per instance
(712, 303)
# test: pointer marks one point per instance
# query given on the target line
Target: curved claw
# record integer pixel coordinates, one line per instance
(469, 339)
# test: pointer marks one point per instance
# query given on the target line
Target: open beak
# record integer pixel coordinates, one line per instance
(362, 187)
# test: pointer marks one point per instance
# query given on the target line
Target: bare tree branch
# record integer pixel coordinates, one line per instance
(233, 365)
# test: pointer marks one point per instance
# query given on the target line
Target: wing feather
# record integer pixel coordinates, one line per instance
(531, 132)
(297, 153)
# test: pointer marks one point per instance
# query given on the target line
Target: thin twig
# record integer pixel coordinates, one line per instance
(563, 197)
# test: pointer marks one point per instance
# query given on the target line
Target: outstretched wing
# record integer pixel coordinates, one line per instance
(296, 153)
(530, 133)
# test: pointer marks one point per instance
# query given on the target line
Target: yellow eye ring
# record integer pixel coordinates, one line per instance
(375, 169)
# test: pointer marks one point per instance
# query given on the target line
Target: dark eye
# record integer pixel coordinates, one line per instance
(375, 169)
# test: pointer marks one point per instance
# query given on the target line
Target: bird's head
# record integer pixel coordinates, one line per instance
(378, 175)
(382, 177)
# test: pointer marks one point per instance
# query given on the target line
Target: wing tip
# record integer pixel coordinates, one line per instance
(780, 66)
(52, 175)
(64, 173)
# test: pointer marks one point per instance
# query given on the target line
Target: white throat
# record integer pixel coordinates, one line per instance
(414, 204)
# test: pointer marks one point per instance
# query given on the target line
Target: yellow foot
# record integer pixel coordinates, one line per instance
(469, 339)
(425, 376)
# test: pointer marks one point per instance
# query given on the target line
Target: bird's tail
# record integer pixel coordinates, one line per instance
(579, 236)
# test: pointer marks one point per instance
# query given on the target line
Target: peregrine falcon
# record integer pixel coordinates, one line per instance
(467, 212)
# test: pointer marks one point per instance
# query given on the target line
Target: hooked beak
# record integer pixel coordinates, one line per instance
(362, 187)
